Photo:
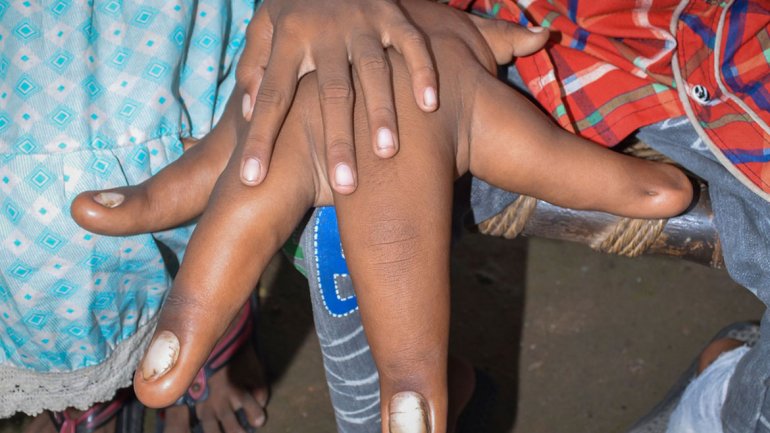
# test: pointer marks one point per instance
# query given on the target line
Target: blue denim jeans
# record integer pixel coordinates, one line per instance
(741, 217)
(742, 220)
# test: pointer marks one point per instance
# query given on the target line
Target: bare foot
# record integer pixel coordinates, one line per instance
(239, 389)
(44, 424)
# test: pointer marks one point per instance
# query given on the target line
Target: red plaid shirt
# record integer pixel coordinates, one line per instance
(616, 65)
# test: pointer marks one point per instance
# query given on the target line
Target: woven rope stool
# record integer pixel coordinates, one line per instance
(690, 236)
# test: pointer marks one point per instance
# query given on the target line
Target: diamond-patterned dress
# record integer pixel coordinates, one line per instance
(94, 94)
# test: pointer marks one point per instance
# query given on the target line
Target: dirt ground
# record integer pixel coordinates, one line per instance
(575, 341)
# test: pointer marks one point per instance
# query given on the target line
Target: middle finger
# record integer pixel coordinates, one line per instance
(373, 71)
(336, 96)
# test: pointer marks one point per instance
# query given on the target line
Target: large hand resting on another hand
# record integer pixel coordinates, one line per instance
(395, 229)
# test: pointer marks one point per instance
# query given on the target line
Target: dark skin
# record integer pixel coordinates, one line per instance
(395, 229)
(290, 38)
(283, 44)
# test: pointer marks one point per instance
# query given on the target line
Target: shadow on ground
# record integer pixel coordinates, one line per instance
(575, 341)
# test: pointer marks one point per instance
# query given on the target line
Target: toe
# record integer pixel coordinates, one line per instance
(229, 422)
(208, 419)
(253, 412)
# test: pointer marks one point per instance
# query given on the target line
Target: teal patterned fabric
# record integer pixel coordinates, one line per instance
(96, 94)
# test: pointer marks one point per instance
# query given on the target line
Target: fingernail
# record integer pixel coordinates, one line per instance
(246, 106)
(385, 139)
(251, 170)
(343, 175)
(161, 356)
(109, 199)
(408, 413)
(429, 97)
(536, 29)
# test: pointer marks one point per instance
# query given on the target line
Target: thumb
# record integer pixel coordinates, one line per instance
(508, 40)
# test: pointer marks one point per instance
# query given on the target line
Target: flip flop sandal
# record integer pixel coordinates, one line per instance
(125, 409)
(225, 350)
(656, 421)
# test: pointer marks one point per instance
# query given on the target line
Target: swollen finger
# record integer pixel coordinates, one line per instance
(271, 105)
(516, 147)
(175, 195)
(373, 71)
(236, 237)
(395, 233)
(336, 96)
(508, 40)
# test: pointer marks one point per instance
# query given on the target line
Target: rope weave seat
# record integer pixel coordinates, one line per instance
(630, 237)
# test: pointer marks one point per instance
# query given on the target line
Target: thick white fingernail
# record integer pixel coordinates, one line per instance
(251, 170)
(536, 29)
(429, 97)
(109, 199)
(161, 356)
(343, 175)
(408, 413)
(385, 139)
(246, 106)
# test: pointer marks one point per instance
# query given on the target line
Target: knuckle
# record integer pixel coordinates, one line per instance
(411, 363)
(373, 62)
(336, 90)
(183, 303)
(425, 70)
(152, 205)
(255, 142)
(271, 95)
(391, 11)
(500, 25)
(393, 244)
(384, 113)
(292, 23)
(412, 36)
(244, 74)
(339, 149)
(358, 13)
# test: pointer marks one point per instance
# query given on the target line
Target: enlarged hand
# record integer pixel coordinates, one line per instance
(289, 38)
(395, 230)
